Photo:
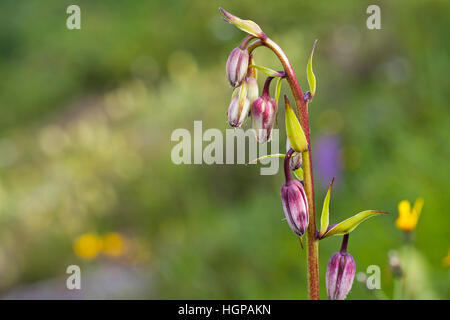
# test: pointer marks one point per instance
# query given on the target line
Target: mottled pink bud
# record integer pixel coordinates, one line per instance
(237, 65)
(295, 206)
(340, 274)
(238, 111)
(264, 110)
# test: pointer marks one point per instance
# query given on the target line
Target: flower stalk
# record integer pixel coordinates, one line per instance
(297, 197)
(312, 245)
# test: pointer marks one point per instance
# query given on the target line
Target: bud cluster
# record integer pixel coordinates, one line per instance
(245, 98)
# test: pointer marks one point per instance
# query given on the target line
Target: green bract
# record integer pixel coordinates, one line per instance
(278, 90)
(268, 71)
(350, 224)
(325, 218)
(294, 130)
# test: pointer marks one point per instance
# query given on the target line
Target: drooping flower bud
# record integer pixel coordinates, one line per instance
(237, 65)
(340, 273)
(239, 107)
(264, 110)
(295, 206)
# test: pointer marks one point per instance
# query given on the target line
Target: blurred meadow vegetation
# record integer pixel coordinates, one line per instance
(86, 118)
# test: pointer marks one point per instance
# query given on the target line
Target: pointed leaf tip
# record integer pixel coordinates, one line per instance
(245, 25)
(310, 73)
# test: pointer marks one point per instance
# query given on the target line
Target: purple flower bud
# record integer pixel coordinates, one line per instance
(237, 65)
(340, 274)
(264, 110)
(238, 111)
(295, 206)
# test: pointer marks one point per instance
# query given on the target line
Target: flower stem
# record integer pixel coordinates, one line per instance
(344, 244)
(245, 41)
(312, 246)
(302, 111)
(287, 169)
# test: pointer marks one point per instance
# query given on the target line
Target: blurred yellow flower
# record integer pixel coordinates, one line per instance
(407, 218)
(88, 246)
(446, 261)
(113, 244)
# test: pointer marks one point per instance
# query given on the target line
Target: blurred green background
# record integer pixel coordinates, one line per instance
(86, 118)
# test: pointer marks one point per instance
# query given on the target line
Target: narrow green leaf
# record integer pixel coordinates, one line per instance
(277, 155)
(294, 130)
(325, 217)
(310, 74)
(350, 224)
(278, 90)
(268, 71)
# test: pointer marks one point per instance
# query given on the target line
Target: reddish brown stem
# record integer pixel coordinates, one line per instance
(302, 111)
